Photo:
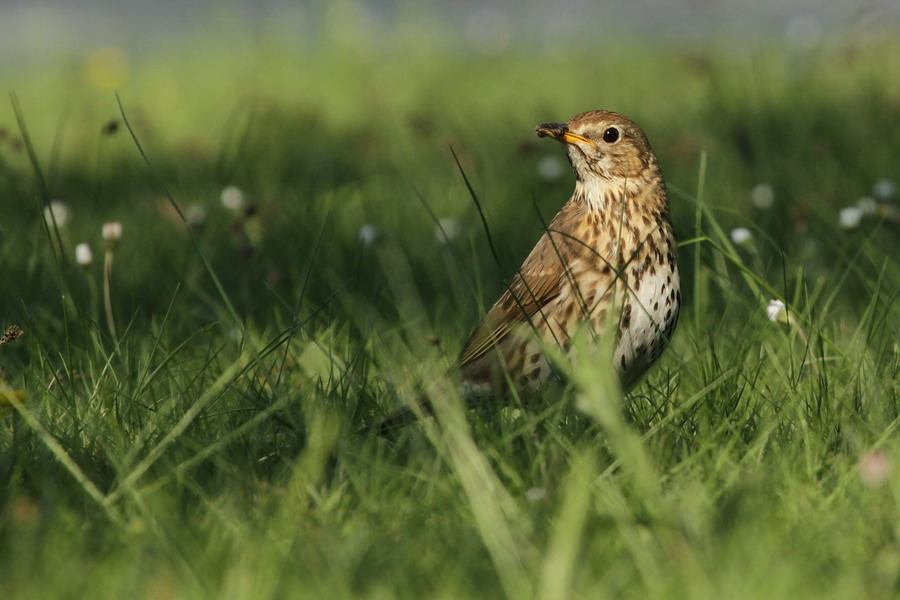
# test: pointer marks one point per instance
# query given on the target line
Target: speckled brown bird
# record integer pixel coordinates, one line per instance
(605, 262)
(608, 254)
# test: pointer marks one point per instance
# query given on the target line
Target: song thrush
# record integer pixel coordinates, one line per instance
(608, 254)
(606, 262)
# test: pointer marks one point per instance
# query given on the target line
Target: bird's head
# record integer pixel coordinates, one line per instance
(604, 145)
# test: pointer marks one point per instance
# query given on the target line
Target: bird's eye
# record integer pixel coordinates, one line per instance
(611, 135)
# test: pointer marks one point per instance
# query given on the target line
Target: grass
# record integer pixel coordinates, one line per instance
(212, 447)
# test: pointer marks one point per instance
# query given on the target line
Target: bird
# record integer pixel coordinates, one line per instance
(606, 262)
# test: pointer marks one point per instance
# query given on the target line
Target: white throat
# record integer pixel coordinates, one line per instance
(605, 195)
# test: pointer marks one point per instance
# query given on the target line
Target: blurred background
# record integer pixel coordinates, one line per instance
(234, 233)
(33, 30)
(335, 120)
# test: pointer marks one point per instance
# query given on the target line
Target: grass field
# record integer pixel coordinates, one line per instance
(193, 431)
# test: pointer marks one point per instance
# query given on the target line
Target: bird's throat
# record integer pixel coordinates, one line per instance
(605, 196)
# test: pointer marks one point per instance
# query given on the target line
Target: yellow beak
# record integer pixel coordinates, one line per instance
(560, 131)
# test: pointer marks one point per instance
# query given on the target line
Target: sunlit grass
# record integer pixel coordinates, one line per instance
(199, 433)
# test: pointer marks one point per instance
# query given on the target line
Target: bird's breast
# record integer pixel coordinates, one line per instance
(650, 307)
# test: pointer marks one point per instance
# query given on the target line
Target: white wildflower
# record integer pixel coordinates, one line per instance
(58, 212)
(550, 168)
(232, 198)
(195, 215)
(884, 189)
(83, 255)
(536, 494)
(368, 234)
(849, 217)
(741, 236)
(447, 229)
(112, 231)
(777, 311)
(762, 195)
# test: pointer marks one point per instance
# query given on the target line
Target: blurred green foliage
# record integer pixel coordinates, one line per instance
(212, 448)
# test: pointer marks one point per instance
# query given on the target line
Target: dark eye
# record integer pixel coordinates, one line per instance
(611, 135)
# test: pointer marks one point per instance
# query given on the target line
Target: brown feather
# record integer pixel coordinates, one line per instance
(538, 281)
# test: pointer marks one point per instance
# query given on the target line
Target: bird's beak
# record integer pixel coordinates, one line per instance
(560, 131)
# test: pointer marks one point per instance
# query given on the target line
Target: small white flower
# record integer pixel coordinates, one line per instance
(368, 234)
(777, 311)
(550, 168)
(884, 189)
(447, 229)
(232, 198)
(849, 217)
(536, 494)
(112, 231)
(762, 195)
(867, 205)
(874, 468)
(195, 215)
(57, 211)
(741, 236)
(83, 255)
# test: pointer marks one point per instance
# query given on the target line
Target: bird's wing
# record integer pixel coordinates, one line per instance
(538, 281)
